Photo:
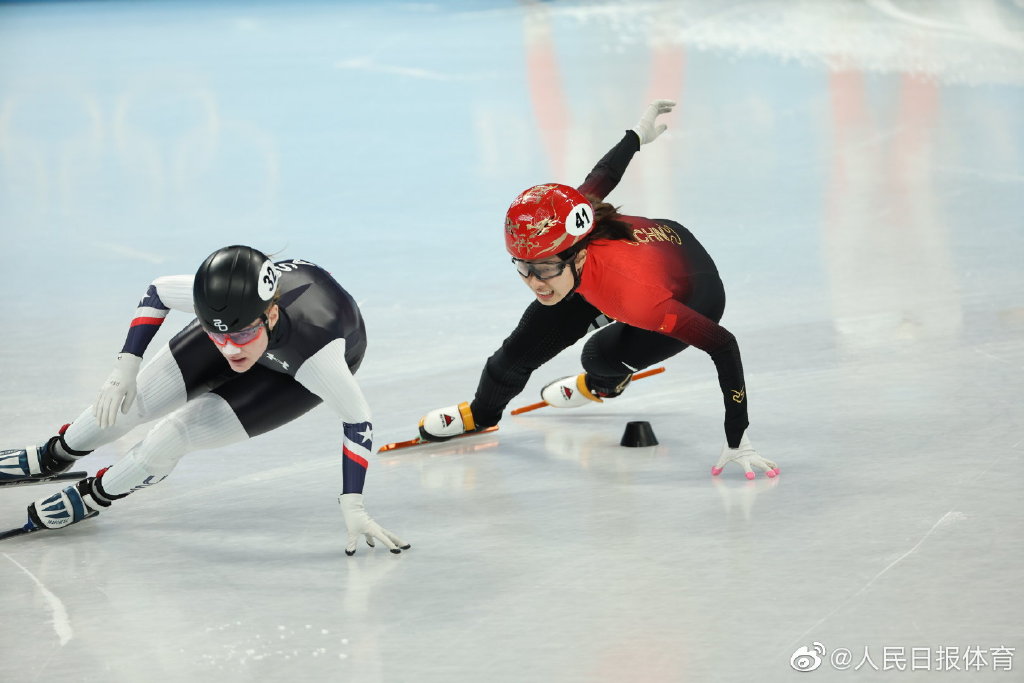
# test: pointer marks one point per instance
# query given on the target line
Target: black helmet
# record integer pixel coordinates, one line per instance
(233, 288)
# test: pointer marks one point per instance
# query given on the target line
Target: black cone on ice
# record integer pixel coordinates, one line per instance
(638, 434)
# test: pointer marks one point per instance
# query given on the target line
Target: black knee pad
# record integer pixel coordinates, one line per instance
(599, 355)
(607, 376)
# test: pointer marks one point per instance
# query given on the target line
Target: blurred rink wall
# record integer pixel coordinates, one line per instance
(385, 139)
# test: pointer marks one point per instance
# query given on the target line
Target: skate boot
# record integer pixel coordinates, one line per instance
(71, 505)
(579, 390)
(34, 462)
(444, 423)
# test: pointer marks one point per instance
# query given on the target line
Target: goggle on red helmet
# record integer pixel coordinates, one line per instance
(546, 220)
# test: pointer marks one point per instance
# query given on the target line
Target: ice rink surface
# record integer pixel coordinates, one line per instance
(855, 168)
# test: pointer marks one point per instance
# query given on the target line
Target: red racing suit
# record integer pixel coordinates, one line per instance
(664, 282)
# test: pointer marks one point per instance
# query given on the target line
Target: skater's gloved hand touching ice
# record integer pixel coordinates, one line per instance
(359, 524)
(444, 423)
(118, 392)
(746, 457)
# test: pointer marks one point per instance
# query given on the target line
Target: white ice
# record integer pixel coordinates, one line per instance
(854, 168)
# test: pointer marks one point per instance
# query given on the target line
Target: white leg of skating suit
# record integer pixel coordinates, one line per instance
(161, 389)
(204, 422)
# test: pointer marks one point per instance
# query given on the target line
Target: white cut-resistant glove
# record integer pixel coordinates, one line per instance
(118, 392)
(747, 457)
(646, 129)
(359, 523)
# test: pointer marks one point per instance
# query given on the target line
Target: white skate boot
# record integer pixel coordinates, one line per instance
(575, 391)
(444, 423)
(568, 392)
(31, 463)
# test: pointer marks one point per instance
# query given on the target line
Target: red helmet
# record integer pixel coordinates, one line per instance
(546, 220)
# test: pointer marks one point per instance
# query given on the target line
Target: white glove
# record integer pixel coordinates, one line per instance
(646, 129)
(358, 522)
(118, 391)
(746, 456)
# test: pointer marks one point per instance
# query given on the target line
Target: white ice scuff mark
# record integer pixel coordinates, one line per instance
(61, 622)
(134, 254)
(367, 64)
(992, 176)
(946, 519)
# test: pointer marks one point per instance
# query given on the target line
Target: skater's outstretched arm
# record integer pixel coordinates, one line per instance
(606, 175)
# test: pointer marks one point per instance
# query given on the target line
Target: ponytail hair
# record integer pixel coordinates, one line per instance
(607, 225)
